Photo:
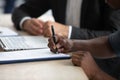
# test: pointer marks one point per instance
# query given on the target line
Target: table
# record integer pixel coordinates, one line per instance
(40, 70)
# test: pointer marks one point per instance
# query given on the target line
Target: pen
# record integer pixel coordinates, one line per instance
(54, 39)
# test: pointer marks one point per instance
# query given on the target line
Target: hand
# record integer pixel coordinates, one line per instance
(63, 45)
(33, 26)
(85, 60)
(60, 29)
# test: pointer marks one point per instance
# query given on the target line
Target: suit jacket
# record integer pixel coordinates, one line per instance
(95, 16)
(114, 40)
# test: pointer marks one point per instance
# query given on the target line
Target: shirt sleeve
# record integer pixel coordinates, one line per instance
(22, 21)
(70, 30)
(114, 40)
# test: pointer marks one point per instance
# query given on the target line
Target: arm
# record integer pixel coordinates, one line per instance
(85, 61)
(98, 47)
(103, 46)
(78, 33)
(31, 8)
(88, 32)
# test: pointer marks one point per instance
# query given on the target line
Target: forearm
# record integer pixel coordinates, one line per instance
(78, 33)
(103, 76)
(82, 45)
(98, 47)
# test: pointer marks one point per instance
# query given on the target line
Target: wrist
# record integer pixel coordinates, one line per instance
(73, 45)
(23, 20)
(66, 32)
(25, 24)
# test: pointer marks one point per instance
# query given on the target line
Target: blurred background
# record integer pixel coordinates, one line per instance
(6, 6)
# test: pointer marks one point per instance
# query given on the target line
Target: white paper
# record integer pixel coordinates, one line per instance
(7, 32)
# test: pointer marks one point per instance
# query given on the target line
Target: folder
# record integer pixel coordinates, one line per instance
(30, 55)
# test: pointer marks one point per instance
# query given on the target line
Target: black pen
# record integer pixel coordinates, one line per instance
(54, 39)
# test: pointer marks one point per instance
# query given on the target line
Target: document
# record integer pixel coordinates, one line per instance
(7, 32)
(30, 55)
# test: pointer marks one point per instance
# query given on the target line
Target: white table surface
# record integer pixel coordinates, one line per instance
(40, 70)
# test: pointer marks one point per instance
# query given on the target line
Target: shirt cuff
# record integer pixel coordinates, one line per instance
(70, 30)
(21, 22)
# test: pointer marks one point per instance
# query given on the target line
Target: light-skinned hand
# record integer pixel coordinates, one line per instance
(33, 26)
(59, 29)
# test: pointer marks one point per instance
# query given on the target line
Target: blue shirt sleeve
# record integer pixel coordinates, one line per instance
(114, 40)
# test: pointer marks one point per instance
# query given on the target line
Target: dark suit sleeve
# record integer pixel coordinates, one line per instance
(31, 8)
(78, 33)
(114, 40)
